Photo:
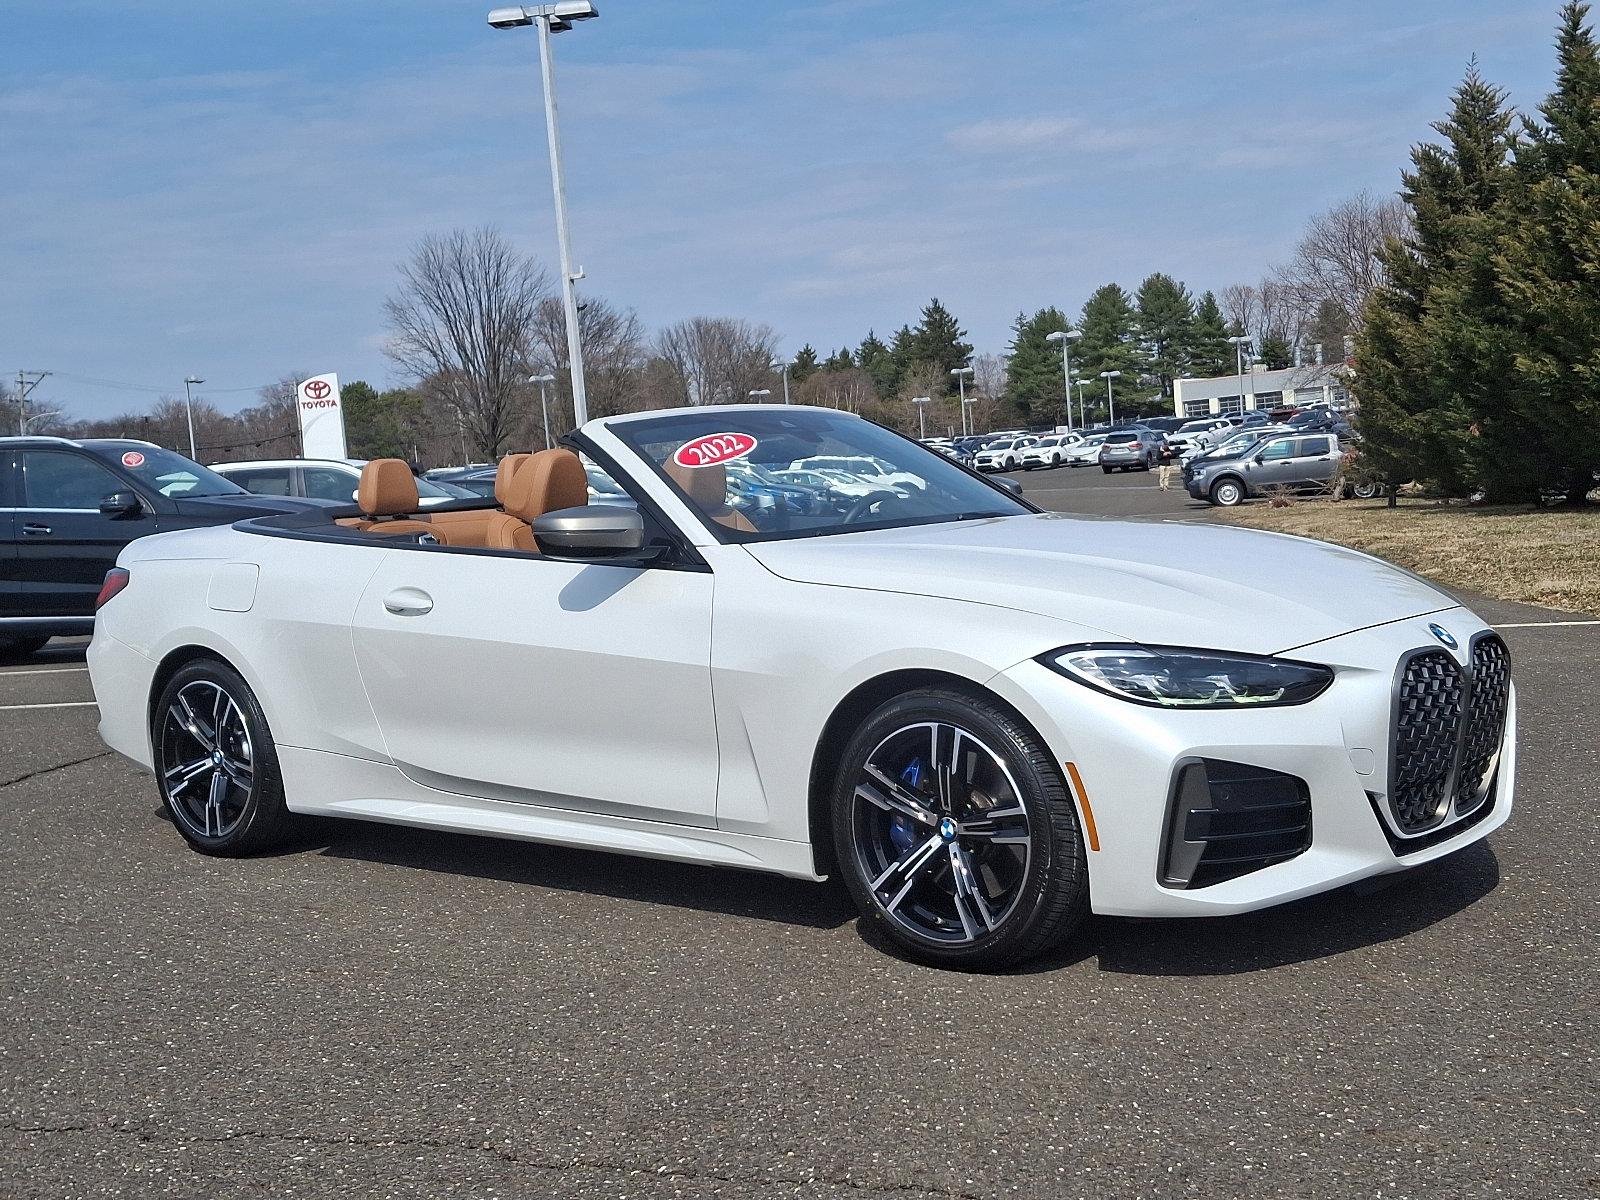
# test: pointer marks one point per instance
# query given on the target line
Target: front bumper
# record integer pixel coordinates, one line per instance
(1130, 759)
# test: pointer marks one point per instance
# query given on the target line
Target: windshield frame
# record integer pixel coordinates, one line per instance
(656, 472)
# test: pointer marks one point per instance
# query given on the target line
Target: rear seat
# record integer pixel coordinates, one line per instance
(471, 528)
(387, 497)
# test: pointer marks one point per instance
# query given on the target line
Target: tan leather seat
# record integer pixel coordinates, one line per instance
(549, 481)
(387, 498)
(472, 527)
(707, 489)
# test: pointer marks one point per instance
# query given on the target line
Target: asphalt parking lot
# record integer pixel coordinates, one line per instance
(382, 1012)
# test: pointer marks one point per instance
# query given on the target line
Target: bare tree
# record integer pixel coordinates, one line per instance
(717, 360)
(989, 375)
(1337, 258)
(462, 324)
(613, 356)
(848, 390)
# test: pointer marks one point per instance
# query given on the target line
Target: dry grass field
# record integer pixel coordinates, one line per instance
(1534, 556)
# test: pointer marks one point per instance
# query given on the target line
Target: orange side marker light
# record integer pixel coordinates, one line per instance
(1083, 803)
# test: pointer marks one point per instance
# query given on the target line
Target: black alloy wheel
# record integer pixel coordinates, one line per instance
(956, 834)
(217, 767)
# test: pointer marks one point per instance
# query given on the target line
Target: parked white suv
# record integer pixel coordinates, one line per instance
(1004, 455)
(319, 478)
(1202, 433)
(1049, 450)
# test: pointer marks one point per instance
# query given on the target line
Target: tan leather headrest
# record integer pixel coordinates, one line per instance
(706, 486)
(504, 473)
(550, 480)
(387, 488)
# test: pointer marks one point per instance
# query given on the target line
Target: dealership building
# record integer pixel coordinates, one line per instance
(1229, 394)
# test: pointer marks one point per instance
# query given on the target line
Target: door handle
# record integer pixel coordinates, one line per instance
(34, 529)
(408, 602)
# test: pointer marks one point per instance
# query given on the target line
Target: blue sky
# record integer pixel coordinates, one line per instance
(226, 188)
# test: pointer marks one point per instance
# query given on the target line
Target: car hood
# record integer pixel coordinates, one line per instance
(1155, 582)
(237, 508)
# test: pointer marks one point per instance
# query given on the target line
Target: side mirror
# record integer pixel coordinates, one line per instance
(1010, 485)
(593, 532)
(120, 505)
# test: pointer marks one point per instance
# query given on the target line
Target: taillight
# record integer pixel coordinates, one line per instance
(116, 579)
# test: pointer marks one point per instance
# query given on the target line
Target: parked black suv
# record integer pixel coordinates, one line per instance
(67, 508)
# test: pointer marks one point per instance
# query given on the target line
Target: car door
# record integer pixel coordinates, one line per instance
(1315, 460)
(265, 481)
(1271, 464)
(65, 545)
(330, 483)
(513, 677)
(10, 583)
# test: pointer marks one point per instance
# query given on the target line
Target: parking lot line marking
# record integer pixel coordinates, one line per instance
(61, 704)
(1542, 624)
(43, 671)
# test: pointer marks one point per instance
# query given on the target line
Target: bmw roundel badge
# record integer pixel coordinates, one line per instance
(1443, 634)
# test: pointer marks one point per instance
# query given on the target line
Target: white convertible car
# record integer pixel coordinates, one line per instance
(987, 719)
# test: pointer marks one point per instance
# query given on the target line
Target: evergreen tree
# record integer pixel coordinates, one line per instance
(1108, 345)
(939, 340)
(1328, 328)
(381, 424)
(876, 359)
(1276, 352)
(840, 360)
(1034, 383)
(1209, 352)
(1545, 433)
(1166, 326)
(1424, 342)
(804, 364)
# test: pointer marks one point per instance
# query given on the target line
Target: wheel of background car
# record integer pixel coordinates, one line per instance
(865, 505)
(955, 832)
(1227, 492)
(217, 767)
(21, 647)
(1105, 468)
(1367, 491)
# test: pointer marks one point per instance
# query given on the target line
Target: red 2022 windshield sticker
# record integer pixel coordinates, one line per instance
(713, 448)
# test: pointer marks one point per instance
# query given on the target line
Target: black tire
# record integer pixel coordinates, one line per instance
(21, 647)
(1367, 491)
(1227, 493)
(1032, 890)
(245, 813)
(1107, 470)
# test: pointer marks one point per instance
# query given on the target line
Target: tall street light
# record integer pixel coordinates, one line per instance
(1083, 419)
(1239, 343)
(188, 411)
(1066, 337)
(783, 364)
(544, 402)
(557, 18)
(961, 374)
(1111, 404)
(922, 403)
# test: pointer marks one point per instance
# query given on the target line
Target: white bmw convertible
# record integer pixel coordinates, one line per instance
(987, 719)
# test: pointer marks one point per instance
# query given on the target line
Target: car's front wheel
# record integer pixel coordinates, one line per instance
(216, 765)
(1227, 493)
(955, 832)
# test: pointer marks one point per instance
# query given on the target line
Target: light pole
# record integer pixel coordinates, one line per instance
(23, 388)
(922, 403)
(1066, 337)
(1083, 419)
(781, 364)
(556, 18)
(38, 416)
(961, 374)
(188, 411)
(1239, 343)
(1111, 404)
(544, 403)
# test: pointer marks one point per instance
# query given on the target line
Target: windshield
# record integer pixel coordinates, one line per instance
(171, 474)
(838, 473)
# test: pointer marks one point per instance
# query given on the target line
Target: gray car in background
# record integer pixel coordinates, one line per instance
(1129, 450)
(1298, 463)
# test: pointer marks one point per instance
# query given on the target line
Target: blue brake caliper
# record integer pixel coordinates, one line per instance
(901, 835)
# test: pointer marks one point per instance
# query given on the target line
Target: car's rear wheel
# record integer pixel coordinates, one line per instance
(955, 832)
(1227, 493)
(1367, 491)
(1106, 469)
(217, 767)
(21, 647)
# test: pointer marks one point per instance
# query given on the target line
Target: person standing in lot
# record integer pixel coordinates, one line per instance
(1168, 459)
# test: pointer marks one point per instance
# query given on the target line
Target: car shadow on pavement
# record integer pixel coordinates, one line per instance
(61, 652)
(762, 897)
(1334, 923)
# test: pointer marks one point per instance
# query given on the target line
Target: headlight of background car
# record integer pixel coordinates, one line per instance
(1171, 677)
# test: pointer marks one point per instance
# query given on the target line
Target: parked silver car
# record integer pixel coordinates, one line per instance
(1301, 463)
(1129, 450)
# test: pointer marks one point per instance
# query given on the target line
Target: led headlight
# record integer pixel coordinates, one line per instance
(1172, 677)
